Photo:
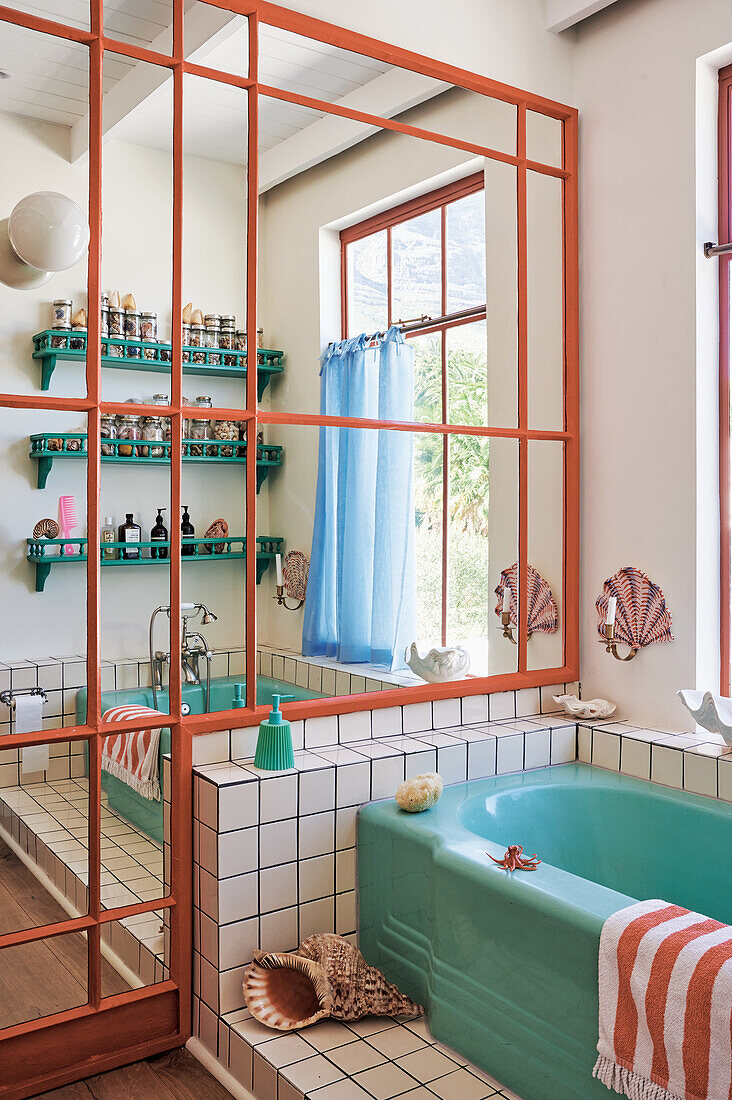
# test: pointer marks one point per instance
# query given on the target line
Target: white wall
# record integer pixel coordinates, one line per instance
(136, 257)
(648, 328)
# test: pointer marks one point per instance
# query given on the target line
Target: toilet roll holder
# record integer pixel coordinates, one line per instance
(8, 697)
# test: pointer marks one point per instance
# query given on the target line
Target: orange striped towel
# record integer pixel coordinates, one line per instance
(665, 1004)
(133, 757)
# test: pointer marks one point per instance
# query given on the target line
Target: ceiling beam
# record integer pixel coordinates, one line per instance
(559, 15)
(386, 95)
(206, 28)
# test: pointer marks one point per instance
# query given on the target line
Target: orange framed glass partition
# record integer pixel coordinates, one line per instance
(725, 482)
(112, 1030)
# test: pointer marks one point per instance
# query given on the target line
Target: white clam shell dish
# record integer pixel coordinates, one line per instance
(712, 712)
(440, 664)
(585, 708)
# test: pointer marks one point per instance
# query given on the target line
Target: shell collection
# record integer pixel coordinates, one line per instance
(326, 977)
(295, 572)
(542, 608)
(218, 529)
(641, 616)
(442, 663)
(585, 708)
(420, 793)
(46, 528)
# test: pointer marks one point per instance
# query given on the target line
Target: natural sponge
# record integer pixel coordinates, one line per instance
(418, 794)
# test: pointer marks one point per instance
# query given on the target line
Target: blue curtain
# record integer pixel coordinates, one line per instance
(361, 597)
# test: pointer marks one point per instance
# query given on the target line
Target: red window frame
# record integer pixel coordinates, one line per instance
(725, 222)
(110, 1031)
(438, 199)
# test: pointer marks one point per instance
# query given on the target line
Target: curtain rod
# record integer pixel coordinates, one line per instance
(425, 322)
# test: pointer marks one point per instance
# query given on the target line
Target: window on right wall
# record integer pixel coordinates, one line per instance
(725, 272)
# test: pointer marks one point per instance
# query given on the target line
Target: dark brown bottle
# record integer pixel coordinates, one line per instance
(130, 532)
(159, 533)
(187, 533)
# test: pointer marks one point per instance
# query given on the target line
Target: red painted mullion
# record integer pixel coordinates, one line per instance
(389, 282)
(724, 228)
(571, 399)
(445, 438)
(422, 204)
(252, 399)
(523, 457)
(344, 289)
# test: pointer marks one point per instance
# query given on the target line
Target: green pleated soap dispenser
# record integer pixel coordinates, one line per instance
(274, 743)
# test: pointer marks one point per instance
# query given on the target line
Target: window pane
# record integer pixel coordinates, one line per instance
(467, 576)
(416, 267)
(467, 375)
(42, 977)
(367, 305)
(427, 378)
(466, 252)
(428, 465)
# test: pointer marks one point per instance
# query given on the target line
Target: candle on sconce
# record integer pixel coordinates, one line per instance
(612, 603)
(278, 567)
(506, 599)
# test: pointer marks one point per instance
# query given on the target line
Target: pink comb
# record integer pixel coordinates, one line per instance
(67, 520)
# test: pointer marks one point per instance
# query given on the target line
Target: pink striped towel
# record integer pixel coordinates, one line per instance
(133, 757)
(665, 1004)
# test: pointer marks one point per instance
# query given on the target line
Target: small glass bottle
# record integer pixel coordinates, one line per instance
(152, 431)
(163, 399)
(187, 532)
(201, 428)
(149, 334)
(198, 334)
(128, 430)
(132, 334)
(131, 533)
(116, 321)
(107, 430)
(186, 329)
(159, 533)
(108, 534)
(212, 336)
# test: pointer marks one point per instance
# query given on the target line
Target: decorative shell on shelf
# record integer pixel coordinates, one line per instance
(128, 302)
(641, 615)
(218, 529)
(585, 708)
(419, 794)
(114, 300)
(711, 712)
(326, 976)
(440, 664)
(543, 615)
(46, 528)
(197, 317)
(295, 572)
(187, 310)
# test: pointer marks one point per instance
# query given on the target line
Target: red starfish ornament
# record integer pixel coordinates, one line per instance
(515, 861)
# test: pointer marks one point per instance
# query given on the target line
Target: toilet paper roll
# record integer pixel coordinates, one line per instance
(28, 719)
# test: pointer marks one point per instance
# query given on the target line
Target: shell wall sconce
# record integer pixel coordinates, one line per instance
(542, 616)
(632, 610)
(292, 579)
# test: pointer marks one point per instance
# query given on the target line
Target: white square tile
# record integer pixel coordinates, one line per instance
(384, 1082)
(316, 916)
(386, 775)
(353, 784)
(278, 842)
(386, 722)
(461, 1085)
(452, 762)
(417, 762)
(355, 726)
(606, 750)
(329, 1034)
(700, 774)
(417, 717)
(237, 898)
(278, 797)
(502, 705)
(345, 913)
(278, 931)
(211, 748)
(527, 702)
(317, 790)
(238, 852)
(482, 758)
(474, 708)
(207, 802)
(426, 1065)
(264, 1084)
(346, 827)
(238, 805)
(446, 712)
(667, 766)
(238, 942)
(345, 870)
(312, 1073)
(356, 1056)
(240, 1060)
(322, 730)
(564, 744)
(725, 779)
(285, 1050)
(244, 743)
(317, 834)
(635, 758)
(317, 877)
(536, 749)
(510, 753)
(584, 744)
(278, 887)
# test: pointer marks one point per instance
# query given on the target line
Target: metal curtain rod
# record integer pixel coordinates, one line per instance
(711, 250)
(432, 322)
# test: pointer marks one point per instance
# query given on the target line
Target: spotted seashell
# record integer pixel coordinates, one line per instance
(218, 529)
(326, 976)
(541, 604)
(641, 615)
(46, 528)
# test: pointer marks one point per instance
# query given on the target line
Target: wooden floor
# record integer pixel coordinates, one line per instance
(174, 1075)
(46, 976)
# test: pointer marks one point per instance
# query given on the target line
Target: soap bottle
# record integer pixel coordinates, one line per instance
(188, 532)
(274, 743)
(108, 534)
(159, 533)
(130, 532)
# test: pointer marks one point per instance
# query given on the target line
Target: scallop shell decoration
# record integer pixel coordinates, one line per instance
(295, 572)
(326, 977)
(641, 615)
(543, 615)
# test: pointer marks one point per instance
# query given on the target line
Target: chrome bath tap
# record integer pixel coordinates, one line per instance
(193, 648)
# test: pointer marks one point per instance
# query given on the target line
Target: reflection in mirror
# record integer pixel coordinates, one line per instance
(545, 305)
(400, 529)
(43, 977)
(546, 547)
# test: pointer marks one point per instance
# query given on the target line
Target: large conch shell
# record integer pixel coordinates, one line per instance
(326, 976)
(641, 615)
(585, 708)
(440, 664)
(712, 712)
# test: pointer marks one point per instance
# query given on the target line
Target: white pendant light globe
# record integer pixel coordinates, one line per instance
(13, 272)
(48, 231)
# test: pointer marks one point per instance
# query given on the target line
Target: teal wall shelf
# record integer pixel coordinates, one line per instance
(44, 554)
(48, 447)
(54, 345)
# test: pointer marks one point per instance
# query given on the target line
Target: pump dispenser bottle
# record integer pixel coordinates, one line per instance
(188, 532)
(159, 533)
(274, 743)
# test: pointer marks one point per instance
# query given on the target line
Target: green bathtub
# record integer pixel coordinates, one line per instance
(506, 964)
(142, 812)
